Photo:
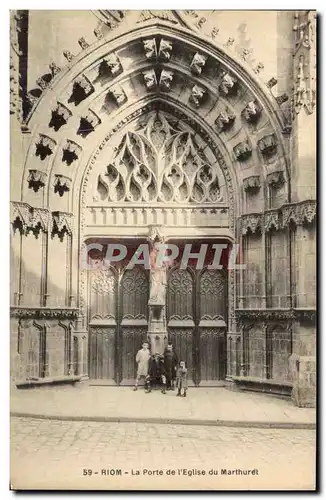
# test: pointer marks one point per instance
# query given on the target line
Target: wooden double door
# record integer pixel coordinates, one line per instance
(118, 322)
(196, 319)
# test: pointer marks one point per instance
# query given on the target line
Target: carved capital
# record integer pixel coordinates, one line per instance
(251, 183)
(88, 123)
(268, 145)
(242, 151)
(165, 49)
(118, 94)
(251, 112)
(197, 95)
(45, 146)
(61, 184)
(54, 69)
(228, 84)
(83, 44)
(307, 212)
(225, 120)
(68, 55)
(114, 64)
(257, 69)
(71, 152)
(275, 178)
(197, 64)
(150, 79)
(272, 220)
(62, 222)
(36, 179)
(251, 223)
(31, 219)
(59, 116)
(281, 99)
(98, 33)
(150, 48)
(166, 80)
(271, 83)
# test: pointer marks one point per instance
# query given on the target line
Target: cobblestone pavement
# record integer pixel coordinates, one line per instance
(53, 454)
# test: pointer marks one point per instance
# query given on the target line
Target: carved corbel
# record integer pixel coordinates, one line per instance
(197, 95)
(36, 179)
(251, 183)
(150, 48)
(275, 178)
(271, 220)
(308, 212)
(290, 213)
(251, 223)
(228, 85)
(82, 88)
(271, 83)
(197, 64)
(166, 80)
(251, 112)
(62, 223)
(44, 81)
(88, 123)
(268, 145)
(114, 64)
(242, 151)
(150, 79)
(98, 34)
(165, 49)
(44, 147)
(71, 152)
(54, 69)
(59, 117)
(257, 69)
(83, 44)
(118, 94)
(61, 184)
(281, 99)
(230, 41)
(68, 55)
(225, 120)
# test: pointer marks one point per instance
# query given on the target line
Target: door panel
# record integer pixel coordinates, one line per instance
(134, 292)
(180, 310)
(197, 317)
(102, 352)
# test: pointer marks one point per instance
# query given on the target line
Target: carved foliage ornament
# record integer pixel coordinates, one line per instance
(251, 112)
(36, 179)
(197, 64)
(197, 95)
(252, 223)
(45, 146)
(242, 151)
(61, 184)
(162, 162)
(31, 219)
(59, 116)
(251, 183)
(225, 120)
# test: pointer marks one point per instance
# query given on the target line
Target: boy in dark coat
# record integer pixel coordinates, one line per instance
(156, 373)
(170, 365)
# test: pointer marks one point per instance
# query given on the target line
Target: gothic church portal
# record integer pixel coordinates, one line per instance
(163, 125)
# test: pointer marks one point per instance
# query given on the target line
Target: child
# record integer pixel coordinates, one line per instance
(142, 359)
(156, 373)
(182, 382)
(170, 364)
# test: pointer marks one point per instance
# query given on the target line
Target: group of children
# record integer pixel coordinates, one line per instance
(161, 369)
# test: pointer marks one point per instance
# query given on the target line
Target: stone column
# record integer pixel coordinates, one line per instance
(157, 332)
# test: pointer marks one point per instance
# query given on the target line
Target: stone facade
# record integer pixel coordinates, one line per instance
(202, 125)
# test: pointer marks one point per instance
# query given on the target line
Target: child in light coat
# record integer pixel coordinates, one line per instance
(142, 360)
(182, 382)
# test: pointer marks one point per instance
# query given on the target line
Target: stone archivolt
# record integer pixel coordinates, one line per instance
(159, 162)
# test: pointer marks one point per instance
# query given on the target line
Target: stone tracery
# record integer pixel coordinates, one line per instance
(160, 162)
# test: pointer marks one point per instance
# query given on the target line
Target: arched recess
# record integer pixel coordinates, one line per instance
(89, 108)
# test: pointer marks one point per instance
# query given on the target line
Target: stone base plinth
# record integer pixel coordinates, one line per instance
(303, 370)
(158, 341)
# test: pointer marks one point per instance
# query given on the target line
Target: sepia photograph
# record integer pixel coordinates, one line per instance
(163, 250)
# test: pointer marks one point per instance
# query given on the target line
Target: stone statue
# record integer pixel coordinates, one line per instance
(158, 280)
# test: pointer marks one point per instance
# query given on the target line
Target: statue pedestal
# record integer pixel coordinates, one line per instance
(158, 341)
(157, 333)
